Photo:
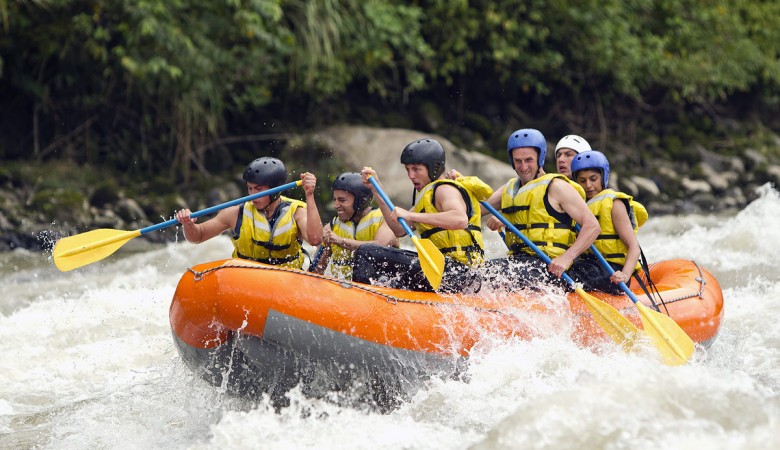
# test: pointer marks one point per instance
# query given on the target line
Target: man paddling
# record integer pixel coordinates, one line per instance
(446, 210)
(545, 208)
(267, 229)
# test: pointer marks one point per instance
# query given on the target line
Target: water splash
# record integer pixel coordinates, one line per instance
(88, 361)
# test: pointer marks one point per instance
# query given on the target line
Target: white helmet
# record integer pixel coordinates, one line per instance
(573, 142)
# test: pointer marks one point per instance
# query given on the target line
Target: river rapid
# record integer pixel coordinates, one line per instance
(87, 361)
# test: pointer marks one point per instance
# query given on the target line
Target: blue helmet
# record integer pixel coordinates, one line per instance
(592, 159)
(527, 137)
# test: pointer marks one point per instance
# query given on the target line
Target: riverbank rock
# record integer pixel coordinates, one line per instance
(39, 202)
(380, 148)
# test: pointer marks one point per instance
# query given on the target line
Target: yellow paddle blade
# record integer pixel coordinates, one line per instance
(617, 327)
(431, 260)
(675, 346)
(73, 252)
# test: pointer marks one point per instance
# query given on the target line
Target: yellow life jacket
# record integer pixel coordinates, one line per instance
(528, 209)
(364, 230)
(467, 245)
(609, 243)
(274, 242)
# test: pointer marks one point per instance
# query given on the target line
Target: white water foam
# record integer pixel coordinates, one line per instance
(88, 362)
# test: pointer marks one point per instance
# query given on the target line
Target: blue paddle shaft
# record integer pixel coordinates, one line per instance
(527, 241)
(316, 258)
(609, 268)
(216, 208)
(390, 205)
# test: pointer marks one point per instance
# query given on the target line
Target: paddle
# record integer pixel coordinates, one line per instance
(316, 258)
(675, 345)
(75, 251)
(431, 259)
(611, 321)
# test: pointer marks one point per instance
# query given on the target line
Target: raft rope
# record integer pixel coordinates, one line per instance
(347, 284)
(393, 299)
(656, 292)
(702, 283)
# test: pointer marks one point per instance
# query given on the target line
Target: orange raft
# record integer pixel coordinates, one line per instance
(257, 329)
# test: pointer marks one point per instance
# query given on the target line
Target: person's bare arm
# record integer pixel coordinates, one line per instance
(384, 237)
(625, 231)
(201, 232)
(308, 219)
(495, 201)
(387, 213)
(563, 197)
(452, 211)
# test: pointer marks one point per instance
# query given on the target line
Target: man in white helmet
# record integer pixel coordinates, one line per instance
(569, 147)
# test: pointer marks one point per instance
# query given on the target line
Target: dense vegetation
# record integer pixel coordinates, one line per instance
(185, 87)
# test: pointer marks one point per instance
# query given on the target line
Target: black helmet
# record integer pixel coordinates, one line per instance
(352, 183)
(266, 171)
(428, 152)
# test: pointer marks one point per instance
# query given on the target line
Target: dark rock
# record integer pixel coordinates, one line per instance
(129, 210)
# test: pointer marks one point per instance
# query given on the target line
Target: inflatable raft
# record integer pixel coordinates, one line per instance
(260, 330)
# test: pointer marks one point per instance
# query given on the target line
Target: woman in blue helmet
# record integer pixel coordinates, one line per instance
(545, 208)
(266, 229)
(355, 224)
(619, 217)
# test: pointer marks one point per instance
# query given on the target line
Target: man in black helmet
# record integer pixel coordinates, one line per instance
(446, 210)
(267, 229)
(355, 224)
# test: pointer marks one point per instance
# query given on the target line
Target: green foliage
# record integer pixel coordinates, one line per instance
(58, 202)
(149, 86)
(104, 193)
(506, 38)
(338, 42)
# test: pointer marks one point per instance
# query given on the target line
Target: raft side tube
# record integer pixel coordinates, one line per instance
(322, 361)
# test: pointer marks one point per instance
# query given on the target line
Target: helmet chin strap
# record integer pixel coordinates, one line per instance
(355, 212)
(358, 215)
(273, 200)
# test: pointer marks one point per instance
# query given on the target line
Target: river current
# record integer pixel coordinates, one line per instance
(87, 361)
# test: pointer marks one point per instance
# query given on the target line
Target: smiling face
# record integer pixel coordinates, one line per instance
(526, 163)
(344, 203)
(563, 159)
(418, 174)
(590, 180)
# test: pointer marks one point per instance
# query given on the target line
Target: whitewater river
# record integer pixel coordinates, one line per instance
(87, 362)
